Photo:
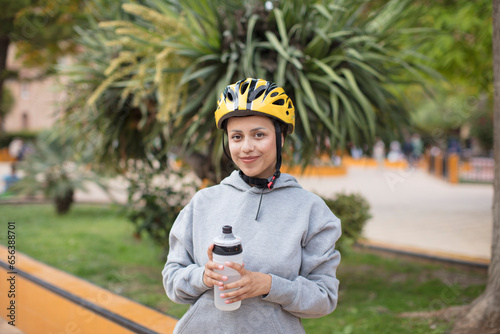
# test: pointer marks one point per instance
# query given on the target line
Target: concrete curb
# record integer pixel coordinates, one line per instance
(415, 252)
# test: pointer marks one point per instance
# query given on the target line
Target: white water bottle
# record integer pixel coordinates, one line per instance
(227, 247)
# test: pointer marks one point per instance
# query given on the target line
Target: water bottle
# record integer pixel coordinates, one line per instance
(227, 247)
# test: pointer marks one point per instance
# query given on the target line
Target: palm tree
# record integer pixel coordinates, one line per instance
(119, 128)
(342, 63)
(147, 83)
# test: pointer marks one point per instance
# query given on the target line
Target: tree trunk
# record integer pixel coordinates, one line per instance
(63, 203)
(4, 47)
(484, 314)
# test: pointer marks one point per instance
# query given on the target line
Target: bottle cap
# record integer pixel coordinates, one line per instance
(227, 243)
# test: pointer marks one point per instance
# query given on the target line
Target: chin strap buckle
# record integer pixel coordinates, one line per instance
(270, 185)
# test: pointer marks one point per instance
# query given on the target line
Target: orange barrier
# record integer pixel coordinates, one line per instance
(47, 300)
(362, 162)
(5, 156)
(451, 168)
(438, 165)
(370, 162)
(315, 170)
(347, 161)
(453, 162)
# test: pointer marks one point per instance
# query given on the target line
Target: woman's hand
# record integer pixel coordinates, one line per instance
(210, 277)
(250, 285)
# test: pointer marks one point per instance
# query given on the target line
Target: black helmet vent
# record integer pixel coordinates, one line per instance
(230, 95)
(244, 87)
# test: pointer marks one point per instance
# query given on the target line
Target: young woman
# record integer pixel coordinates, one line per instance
(288, 234)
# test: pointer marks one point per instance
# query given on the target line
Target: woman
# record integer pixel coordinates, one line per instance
(288, 234)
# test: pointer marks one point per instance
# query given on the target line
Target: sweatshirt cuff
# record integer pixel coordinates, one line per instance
(197, 283)
(282, 291)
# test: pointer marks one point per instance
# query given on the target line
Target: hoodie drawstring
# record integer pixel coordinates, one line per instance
(260, 201)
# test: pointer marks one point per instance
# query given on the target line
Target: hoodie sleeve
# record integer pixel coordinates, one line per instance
(314, 293)
(182, 277)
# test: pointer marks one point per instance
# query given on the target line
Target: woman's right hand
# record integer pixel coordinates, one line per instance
(210, 277)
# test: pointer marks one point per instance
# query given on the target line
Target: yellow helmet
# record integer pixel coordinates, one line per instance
(255, 97)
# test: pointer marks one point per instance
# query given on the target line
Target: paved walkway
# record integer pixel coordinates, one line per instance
(5, 328)
(411, 209)
(417, 212)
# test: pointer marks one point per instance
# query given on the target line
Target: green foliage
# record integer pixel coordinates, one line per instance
(55, 168)
(482, 127)
(7, 102)
(445, 114)
(155, 199)
(43, 30)
(10, 10)
(119, 128)
(353, 211)
(462, 40)
(7, 137)
(461, 50)
(339, 64)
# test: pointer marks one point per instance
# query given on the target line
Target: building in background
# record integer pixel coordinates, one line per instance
(36, 100)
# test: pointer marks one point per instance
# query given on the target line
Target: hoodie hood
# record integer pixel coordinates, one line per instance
(284, 181)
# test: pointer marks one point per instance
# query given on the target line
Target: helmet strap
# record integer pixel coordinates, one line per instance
(224, 148)
(277, 173)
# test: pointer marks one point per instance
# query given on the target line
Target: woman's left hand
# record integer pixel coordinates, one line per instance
(250, 285)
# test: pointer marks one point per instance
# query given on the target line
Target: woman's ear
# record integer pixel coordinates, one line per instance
(282, 139)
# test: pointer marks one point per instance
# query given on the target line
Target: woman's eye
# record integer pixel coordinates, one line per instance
(236, 137)
(259, 135)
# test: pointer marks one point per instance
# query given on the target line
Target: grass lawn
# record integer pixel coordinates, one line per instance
(96, 243)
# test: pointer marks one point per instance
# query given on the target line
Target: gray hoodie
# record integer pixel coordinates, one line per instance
(293, 240)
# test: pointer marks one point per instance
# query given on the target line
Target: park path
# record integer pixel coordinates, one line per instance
(415, 211)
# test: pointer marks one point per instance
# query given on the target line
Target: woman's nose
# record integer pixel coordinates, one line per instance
(247, 146)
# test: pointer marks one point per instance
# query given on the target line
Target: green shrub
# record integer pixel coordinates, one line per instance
(482, 128)
(26, 135)
(155, 200)
(56, 168)
(353, 211)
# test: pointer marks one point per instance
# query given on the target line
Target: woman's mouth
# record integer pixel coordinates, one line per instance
(248, 159)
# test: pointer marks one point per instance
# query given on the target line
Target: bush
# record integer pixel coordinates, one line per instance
(155, 200)
(7, 137)
(482, 128)
(353, 211)
(56, 168)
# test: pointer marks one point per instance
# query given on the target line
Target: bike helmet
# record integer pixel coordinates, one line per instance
(255, 97)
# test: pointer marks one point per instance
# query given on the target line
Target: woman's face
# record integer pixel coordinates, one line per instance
(252, 143)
